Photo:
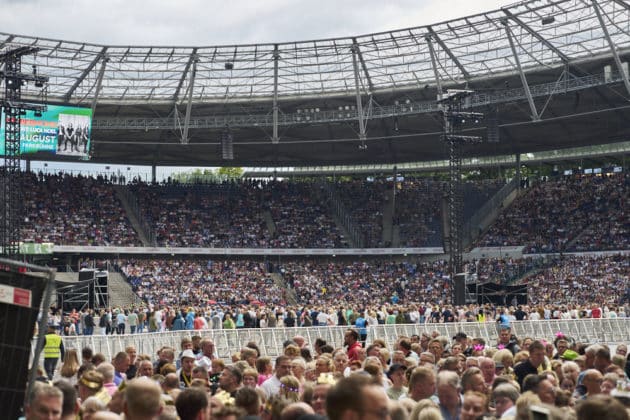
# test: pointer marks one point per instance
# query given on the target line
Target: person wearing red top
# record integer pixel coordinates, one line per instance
(199, 323)
(596, 312)
(351, 339)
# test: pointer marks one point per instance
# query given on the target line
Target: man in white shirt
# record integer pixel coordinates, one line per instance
(271, 386)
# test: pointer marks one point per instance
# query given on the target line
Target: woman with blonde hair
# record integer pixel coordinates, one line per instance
(290, 388)
(425, 410)
(70, 366)
(324, 364)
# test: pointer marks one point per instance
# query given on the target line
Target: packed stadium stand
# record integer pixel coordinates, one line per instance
(340, 238)
(566, 214)
(74, 210)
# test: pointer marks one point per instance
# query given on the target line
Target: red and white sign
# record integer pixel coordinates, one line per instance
(15, 296)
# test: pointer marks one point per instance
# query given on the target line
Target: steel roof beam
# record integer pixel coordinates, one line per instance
(6, 41)
(363, 66)
(441, 43)
(536, 35)
(83, 75)
(438, 83)
(99, 83)
(611, 44)
(192, 57)
(191, 88)
(622, 3)
(362, 124)
(528, 93)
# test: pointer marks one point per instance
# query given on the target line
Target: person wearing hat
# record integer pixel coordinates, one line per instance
(569, 355)
(91, 385)
(185, 372)
(396, 374)
(53, 350)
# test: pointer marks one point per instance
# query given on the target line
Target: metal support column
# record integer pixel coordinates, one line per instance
(191, 88)
(99, 83)
(11, 194)
(276, 57)
(11, 191)
(357, 89)
(438, 82)
(613, 49)
(454, 115)
(528, 93)
(518, 169)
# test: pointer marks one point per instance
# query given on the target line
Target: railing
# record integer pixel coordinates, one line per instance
(472, 226)
(135, 208)
(265, 119)
(270, 340)
(344, 216)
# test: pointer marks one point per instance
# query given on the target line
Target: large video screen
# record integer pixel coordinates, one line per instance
(61, 130)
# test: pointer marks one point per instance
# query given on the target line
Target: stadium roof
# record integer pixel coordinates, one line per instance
(545, 73)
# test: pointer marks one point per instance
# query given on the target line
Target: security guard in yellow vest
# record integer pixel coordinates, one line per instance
(53, 350)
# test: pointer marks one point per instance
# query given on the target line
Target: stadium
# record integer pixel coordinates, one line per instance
(447, 179)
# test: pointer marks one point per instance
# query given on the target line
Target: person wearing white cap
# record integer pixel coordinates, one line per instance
(185, 373)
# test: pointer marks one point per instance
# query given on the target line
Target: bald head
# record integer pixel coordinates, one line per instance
(295, 410)
(142, 399)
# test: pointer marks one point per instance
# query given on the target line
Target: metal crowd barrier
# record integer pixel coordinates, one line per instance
(270, 340)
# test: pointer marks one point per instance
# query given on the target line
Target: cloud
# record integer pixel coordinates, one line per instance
(214, 22)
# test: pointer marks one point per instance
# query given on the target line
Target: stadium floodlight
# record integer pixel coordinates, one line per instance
(454, 95)
(547, 20)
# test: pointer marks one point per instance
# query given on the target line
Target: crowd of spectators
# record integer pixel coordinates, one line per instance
(365, 200)
(301, 217)
(585, 213)
(199, 283)
(421, 376)
(232, 215)
(207, 215)
(73, 210)
(309, 292)
(576, 280)
(418, 208)
(567, 213)
(366, 282)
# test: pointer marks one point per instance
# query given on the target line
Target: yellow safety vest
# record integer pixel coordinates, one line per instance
(52, 348)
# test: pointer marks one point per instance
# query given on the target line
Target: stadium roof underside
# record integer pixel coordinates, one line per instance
(546, 75)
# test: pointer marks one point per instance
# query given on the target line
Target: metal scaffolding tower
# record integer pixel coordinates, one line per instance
(14, 108)
(455, 117)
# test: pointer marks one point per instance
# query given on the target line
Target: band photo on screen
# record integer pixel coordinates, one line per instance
(73, 135)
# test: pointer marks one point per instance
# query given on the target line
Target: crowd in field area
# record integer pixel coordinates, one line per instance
(566, 214)
(366, 282)
(223, 294)
(73, 210)
(196, 282)
(372, 282)
(425, 376)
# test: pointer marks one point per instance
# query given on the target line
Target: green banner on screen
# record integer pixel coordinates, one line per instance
(61, 130)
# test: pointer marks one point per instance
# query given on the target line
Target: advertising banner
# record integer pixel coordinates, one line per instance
(61, 130)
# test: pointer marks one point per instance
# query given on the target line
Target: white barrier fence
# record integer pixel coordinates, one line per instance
(269, 340)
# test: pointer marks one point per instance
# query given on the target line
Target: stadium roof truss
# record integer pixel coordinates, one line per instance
(280, 91)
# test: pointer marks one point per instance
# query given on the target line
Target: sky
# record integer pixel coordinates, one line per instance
(226, 22)
(214, 22)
